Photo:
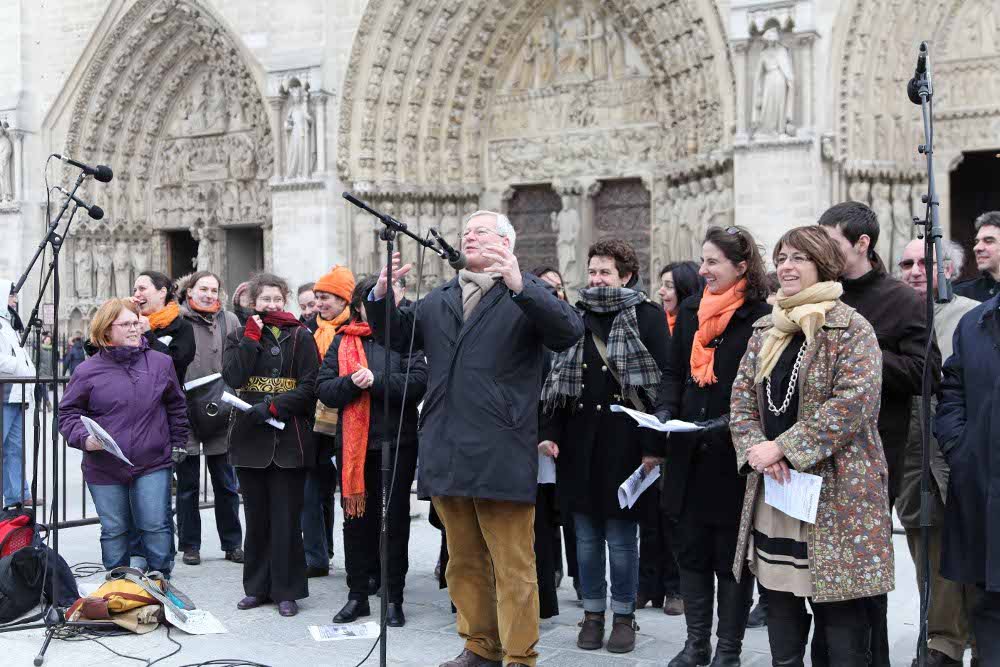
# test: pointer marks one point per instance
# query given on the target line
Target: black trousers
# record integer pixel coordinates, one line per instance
(658, 573)
(275, 558)
(986, 627)
(547, 558)
(874, 611)
(786, 612)
(703, 547)
(361, 534)
(227, 502)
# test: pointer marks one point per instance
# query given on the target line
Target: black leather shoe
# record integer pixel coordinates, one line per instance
(251, 602)
(312, 572)
(394, 617)
(352, 611)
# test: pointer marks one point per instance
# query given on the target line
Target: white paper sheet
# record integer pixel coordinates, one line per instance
(798, 498)
(107, 442)
(637, 482)
(166, 340)
(195, 621)
(188, 386)
(650, 421)
(332, 633)
(546, 469)
(243, 406)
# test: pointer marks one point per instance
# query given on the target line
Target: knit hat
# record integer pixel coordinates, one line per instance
(339, 281)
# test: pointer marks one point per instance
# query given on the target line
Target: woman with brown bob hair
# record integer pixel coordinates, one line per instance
(131, 392)
(702, 491)
(806, 400)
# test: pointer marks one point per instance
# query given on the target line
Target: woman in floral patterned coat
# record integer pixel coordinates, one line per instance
(806, 399)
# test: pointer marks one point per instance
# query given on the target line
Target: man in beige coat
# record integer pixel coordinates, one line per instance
(951, 602)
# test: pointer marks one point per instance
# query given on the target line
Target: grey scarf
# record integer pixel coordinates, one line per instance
(474, 287)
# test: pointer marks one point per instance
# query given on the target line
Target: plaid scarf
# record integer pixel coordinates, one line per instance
(626, 352)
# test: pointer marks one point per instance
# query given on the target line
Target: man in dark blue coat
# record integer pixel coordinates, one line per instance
(967, 426)
(484, 334)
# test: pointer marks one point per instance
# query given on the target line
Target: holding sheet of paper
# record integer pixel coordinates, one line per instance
(798, 498)
(650, 421)
(632, 488)
(243, 406)
(107, 442)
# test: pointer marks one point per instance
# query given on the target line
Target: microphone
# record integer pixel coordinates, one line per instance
(919, 76)
(100, 173)
(96, 212)
(456, 259)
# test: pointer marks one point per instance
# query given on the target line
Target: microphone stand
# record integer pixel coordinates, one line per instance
(932, 234)
(388, 235)
(52, 618)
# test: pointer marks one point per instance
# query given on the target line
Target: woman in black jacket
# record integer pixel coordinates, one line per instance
(702, 490)
(355, 380)
(272, 363)
(160, 317)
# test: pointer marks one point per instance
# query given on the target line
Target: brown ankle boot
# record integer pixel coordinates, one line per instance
(591, 635)
(622, 639)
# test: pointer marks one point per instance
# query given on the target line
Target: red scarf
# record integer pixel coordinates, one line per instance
(355, 420)
(282, 319)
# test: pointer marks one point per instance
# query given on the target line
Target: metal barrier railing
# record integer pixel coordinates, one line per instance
(75, 505)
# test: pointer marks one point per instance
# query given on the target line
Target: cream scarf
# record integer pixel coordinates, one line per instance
(805, 312)
(474, 286)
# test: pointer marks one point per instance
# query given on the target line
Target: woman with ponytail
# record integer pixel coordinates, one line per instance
(702, 490)
(272, 364)
(160, 317)
(806, 399)
(354, 380)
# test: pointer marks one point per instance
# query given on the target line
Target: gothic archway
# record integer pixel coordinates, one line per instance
(449, 104)
(878, 128)
(168, 100)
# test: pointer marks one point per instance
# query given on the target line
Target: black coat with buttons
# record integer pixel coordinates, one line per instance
(700, 474)
(599, 449)
(289, 363)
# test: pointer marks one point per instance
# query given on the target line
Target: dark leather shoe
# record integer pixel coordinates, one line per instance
(622, 639)
(352, 611)
(191, 557)
(288, 608)
(758, 616)
(591, 635)
(251, 602)
(236, 555)
(696, 652)
(936, 658)
(673, 605)
(394, 617)
(312, 572)
(469, 659)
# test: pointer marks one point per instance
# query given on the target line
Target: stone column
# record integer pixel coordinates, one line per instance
(276, 105)
(319, 113)
(740, 67)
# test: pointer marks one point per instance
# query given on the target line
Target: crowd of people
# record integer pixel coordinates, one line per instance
(495, 378)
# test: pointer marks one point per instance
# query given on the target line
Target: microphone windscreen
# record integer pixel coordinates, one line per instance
(103, 173)
(96, 212)
(458, 263)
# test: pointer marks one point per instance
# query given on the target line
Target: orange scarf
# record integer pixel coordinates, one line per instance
(326, 330)
(354, 420)
(205, 311)
(671, 321)
(714, 314)
(164, 316)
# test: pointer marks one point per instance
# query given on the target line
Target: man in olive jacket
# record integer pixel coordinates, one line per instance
(484, 334)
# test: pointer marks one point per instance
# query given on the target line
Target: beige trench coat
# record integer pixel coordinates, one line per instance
(835, 437)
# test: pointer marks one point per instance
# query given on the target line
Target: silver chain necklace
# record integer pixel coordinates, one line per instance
(792, 381)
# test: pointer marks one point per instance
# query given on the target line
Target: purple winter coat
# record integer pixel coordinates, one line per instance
(134, 395)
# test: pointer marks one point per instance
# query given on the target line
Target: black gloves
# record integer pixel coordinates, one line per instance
(260, 412)
(663, 416)
(714, 426)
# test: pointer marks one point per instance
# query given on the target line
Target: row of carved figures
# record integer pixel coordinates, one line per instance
(683, 212)
(106, 267)
(895, 204)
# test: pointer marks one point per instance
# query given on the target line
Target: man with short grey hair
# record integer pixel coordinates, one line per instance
(951, 602)
(484, 334)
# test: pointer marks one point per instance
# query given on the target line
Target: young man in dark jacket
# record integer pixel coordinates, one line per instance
(899, 318)
(624, 343)
(987, 250)
(484, 334)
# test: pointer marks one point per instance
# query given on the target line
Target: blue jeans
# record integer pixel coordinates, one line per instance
(321, 482)
(622, 539)
(15, 488)
(143, 505)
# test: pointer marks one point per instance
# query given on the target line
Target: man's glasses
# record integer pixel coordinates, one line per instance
(907, 264)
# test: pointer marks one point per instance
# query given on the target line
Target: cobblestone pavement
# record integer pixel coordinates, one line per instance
(428, 639)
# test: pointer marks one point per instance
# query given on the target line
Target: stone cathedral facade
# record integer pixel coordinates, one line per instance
(233, 126)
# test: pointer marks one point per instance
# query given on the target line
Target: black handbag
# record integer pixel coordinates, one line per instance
(207, 413)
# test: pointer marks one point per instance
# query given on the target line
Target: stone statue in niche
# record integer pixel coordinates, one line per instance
(205, 259)
(83, 268)
(684, 234)
(566, 223)
(123, 268)
(902, 222)
(527, 76)
(883, 211)
(450, 226)
(545, 52)
(6, 164)
(597, 40)
(298, 128)
(140, 255)
(102, 258)
(774, 88)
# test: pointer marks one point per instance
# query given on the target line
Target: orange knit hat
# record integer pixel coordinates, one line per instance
(340, 282)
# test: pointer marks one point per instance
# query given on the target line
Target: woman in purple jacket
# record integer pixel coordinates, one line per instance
(132, 393)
